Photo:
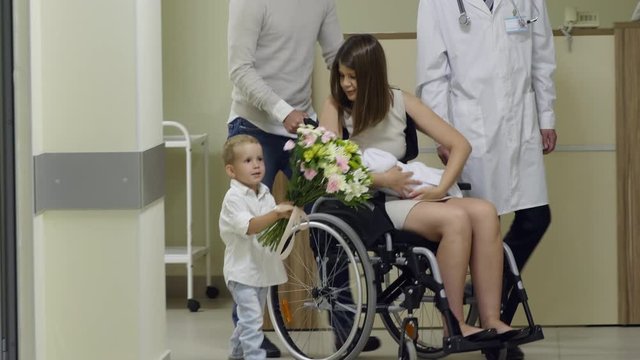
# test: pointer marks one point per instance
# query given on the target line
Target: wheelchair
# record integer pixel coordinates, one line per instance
(347, 265)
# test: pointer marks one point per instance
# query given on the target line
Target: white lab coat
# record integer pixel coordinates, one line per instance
(495, 88)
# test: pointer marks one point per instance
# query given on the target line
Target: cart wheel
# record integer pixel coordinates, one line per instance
(193, 305)
(212, 292)
(407, 350)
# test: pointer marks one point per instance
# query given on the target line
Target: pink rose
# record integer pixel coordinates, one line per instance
(327, 136)
(309, 140)
(334, 184)
(309, 174)
(289, 145)
(342, 163)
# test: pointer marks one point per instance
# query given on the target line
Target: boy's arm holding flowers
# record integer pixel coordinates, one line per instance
(259, 223)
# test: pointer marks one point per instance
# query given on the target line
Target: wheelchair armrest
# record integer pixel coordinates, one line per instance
(323, 199)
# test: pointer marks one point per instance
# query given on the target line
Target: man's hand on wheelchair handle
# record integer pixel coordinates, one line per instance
(293, 120)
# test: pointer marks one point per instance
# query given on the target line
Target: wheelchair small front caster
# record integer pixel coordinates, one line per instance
(193, 305)
(407, 350)
(212, 292)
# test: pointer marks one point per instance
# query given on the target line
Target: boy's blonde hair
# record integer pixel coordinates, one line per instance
(229, 148)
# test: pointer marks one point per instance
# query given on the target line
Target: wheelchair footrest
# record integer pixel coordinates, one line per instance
(535, 334)
(458, 344)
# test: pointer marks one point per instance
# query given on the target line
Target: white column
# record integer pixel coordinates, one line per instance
(96, 87)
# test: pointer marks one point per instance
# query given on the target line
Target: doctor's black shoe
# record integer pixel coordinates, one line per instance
(271, 349)
(373, 343)
(513, 353)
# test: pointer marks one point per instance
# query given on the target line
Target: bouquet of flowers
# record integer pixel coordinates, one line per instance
(321, 164)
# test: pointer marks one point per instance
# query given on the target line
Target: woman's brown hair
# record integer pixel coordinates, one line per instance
(364, 54)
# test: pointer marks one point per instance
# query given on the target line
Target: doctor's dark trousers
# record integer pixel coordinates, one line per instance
(525, 233)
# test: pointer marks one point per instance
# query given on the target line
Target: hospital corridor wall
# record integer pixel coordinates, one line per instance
(572, 277)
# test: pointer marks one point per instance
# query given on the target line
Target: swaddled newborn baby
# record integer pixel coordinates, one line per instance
(379, 161)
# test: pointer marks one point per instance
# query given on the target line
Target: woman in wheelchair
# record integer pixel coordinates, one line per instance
(466, 229)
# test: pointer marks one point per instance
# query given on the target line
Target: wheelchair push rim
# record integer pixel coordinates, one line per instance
(316, 314)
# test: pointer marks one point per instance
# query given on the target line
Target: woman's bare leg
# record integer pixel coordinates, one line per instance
(451, 226)
(486, 260)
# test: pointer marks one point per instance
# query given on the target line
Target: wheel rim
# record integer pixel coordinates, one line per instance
(430, 325)
(306, 308)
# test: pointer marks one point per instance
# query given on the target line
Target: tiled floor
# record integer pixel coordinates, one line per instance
(203, 336)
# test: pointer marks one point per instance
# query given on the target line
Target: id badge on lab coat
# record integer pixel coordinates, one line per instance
(513, 24)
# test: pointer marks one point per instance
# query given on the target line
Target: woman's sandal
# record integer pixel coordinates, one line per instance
(515, 334)
(484, 335)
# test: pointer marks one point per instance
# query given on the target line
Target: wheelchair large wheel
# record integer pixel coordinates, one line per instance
(430, 322)
(326, 309)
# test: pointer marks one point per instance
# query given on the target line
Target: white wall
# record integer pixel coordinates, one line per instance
(197, 92)
(91, 281)
(374, 15)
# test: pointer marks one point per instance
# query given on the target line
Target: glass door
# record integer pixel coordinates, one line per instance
(8, 279)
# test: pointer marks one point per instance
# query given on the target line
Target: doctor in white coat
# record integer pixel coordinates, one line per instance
(486, 68)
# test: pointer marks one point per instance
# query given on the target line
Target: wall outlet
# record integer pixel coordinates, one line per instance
(587, 19)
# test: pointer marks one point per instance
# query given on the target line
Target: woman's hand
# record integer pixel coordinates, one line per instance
(427, 193)
(399, 181)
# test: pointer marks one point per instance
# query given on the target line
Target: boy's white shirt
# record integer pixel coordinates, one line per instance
(245, 260)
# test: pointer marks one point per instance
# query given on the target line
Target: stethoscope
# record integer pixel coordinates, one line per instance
(465, 20)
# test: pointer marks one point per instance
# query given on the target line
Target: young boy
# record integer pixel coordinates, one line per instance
(249, 268)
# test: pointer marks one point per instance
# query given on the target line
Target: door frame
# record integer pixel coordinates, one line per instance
(8, 253)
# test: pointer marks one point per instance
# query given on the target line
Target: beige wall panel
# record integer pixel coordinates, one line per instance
(585, 109)
(374, 15)
(197, 93)
(581, 185)
(24, 183)
(572, 277)
(149, 76)
(151, 284)
(197, 90)
(110, 238)
(70, 118)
